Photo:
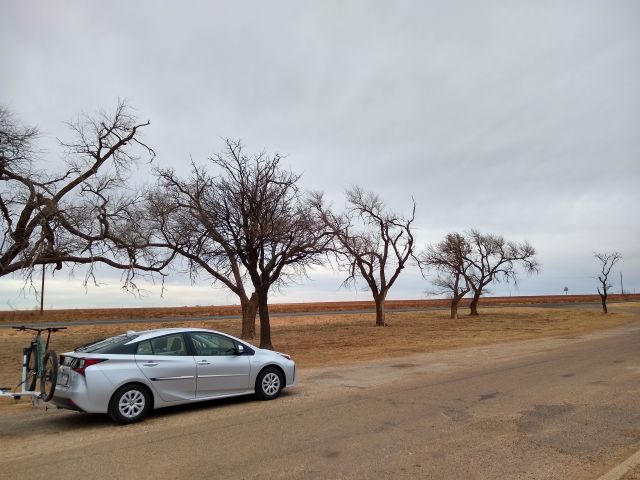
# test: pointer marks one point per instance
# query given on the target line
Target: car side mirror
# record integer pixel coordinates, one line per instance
(239, 349)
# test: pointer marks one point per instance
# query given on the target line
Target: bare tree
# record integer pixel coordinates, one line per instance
(369, 242)
(186, 216)
(78, 216)
(449, 258)
(492, 259)
(270, 227)
(607, 261)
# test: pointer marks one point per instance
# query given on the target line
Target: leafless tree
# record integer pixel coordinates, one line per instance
(369, 242)
(607, 261)
(187, 216)
(450, 260)
(80, 215)
(492, 259)
(258, 208)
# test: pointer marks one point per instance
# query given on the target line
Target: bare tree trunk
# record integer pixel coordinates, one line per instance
(265, 327)
(603, 299)
(473, 306)
(454, 308)
(249, 311)
(608, 260)
(380, 312)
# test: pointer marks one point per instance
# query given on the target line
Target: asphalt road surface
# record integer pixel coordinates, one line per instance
(561, 408)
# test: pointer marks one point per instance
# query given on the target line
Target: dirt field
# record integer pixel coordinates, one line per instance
(322, 340)
(633, 474)
(18, 316)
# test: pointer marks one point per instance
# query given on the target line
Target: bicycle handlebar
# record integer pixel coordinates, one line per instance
(22, 328)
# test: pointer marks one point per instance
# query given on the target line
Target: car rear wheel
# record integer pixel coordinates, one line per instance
(130, 404)
(269, 384)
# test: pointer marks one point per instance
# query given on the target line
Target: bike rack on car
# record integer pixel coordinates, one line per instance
(39, 351)
(10, 392)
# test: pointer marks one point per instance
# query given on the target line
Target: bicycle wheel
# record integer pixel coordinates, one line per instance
(50, 376)
(32, 369)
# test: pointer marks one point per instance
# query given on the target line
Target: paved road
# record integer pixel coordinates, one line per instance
(563, 408)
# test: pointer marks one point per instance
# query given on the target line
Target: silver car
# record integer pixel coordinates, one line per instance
(128, 375)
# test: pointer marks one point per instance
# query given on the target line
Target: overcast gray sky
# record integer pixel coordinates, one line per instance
(517, 118)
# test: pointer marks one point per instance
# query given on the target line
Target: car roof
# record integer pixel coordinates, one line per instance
(157, 332)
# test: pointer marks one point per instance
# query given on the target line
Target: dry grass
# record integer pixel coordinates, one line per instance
(633, 474)
(349, 338)
(320, 340)
(25, 316)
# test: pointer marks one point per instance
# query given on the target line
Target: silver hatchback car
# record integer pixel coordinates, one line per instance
(128, 375)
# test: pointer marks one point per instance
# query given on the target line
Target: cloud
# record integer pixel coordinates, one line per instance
(520, 119)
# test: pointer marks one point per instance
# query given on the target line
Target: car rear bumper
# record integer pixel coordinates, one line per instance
(75, 394)
(66, 403)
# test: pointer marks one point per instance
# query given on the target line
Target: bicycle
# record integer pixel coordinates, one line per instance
(38, 362)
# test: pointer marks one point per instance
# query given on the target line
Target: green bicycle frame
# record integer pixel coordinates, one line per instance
(40, 352)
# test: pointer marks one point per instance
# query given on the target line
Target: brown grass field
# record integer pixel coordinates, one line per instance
(330, 339)
(25, 316)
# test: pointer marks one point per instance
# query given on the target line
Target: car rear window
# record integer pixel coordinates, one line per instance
(116, 344)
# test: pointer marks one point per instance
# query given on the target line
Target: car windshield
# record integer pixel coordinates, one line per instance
(106, 345)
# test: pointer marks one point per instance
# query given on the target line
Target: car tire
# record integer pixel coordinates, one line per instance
(269, 383)
(130, 404)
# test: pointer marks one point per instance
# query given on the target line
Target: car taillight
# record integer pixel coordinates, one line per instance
(288, 357)
(85, 363)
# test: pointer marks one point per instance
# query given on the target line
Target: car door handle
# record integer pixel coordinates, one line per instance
(203, 362)
(149, 364)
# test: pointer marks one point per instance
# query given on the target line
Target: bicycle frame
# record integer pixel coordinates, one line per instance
(41, 349)
(40, 352)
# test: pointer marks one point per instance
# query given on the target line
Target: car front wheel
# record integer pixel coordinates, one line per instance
(130, 404)
(269, 384)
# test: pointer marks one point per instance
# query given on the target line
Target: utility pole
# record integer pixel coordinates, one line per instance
(621, 285)
(42, 292)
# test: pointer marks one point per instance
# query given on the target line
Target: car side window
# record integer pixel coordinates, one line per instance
(210, 344)
(166, 345)
(144, 348)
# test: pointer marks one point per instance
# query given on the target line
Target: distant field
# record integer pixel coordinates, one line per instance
(17, 316)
